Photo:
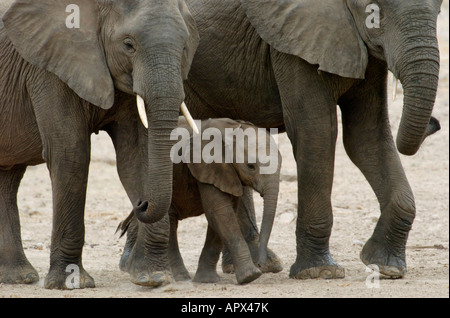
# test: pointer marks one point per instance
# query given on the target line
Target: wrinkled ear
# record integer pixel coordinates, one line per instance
(320, 32)
(221, 175)
(39, 32)
(192, 42)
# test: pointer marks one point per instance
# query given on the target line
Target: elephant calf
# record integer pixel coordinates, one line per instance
(214, 189)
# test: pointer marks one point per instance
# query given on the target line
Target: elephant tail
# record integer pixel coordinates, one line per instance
(123, 226)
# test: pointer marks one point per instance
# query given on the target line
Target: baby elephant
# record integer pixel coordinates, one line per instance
(241, 158)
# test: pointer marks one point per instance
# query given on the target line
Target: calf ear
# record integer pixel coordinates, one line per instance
(221, 175)
(40, 33)
(321, 32)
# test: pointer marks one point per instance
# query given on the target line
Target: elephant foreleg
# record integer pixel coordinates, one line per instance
(14, 266)
(309, 112)
(245, 214)
(219, 211)
(65, 135)
(369, 144)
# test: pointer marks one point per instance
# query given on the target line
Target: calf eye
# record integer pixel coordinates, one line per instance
(251, 166)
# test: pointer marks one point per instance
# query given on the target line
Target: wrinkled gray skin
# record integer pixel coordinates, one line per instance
(59, 85)
(214, 189)
(287, 64)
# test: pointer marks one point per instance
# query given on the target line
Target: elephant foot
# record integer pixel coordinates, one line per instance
(389, 263)
(143, 272)
(203, 276)
(18, 274)
(273, 263)
(180, 274)
(325, 272)
(227, 268)
(124, 263)
(247, 275)
(151, 279)
(144, 275)
(325, 268)
(74, 277)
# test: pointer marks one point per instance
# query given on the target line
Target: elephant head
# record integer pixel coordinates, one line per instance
(143, 48)
(339, 36)
(252, 151)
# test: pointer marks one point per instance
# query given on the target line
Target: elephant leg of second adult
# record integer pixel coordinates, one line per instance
(369, 143)
(309, 110)
(207, 264)
(221, 216)
(14, 266)
(247, 222)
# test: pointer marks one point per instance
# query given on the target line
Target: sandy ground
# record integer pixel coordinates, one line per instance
(355, 214)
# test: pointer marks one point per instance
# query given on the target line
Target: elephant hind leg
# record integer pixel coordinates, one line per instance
(207, 264)
(14, 266)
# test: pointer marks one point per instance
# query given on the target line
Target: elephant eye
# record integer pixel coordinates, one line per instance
(129, 45)
(251, 166)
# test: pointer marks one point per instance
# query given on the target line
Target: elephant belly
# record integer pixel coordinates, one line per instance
(20, 142)
(188, 206)
(186, 200)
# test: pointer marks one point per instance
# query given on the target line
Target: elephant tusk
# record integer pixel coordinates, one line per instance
(141, 110)
(189, 118)
(394, 87)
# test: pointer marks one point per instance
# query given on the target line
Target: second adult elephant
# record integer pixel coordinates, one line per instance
(288, 63)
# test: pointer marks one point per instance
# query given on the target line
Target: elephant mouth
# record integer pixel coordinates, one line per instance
(184, 110)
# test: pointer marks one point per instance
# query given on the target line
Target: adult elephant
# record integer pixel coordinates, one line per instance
(67, 71)
(288, 63)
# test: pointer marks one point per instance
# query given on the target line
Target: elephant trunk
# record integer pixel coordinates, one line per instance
(417, 67)
(270, 196)
(162, 98)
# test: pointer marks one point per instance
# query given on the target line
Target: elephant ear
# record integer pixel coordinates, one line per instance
(222, 175)
(192, 42)
(39, 32)
(320, 32)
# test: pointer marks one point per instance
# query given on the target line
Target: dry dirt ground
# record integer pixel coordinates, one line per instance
(355, 214)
